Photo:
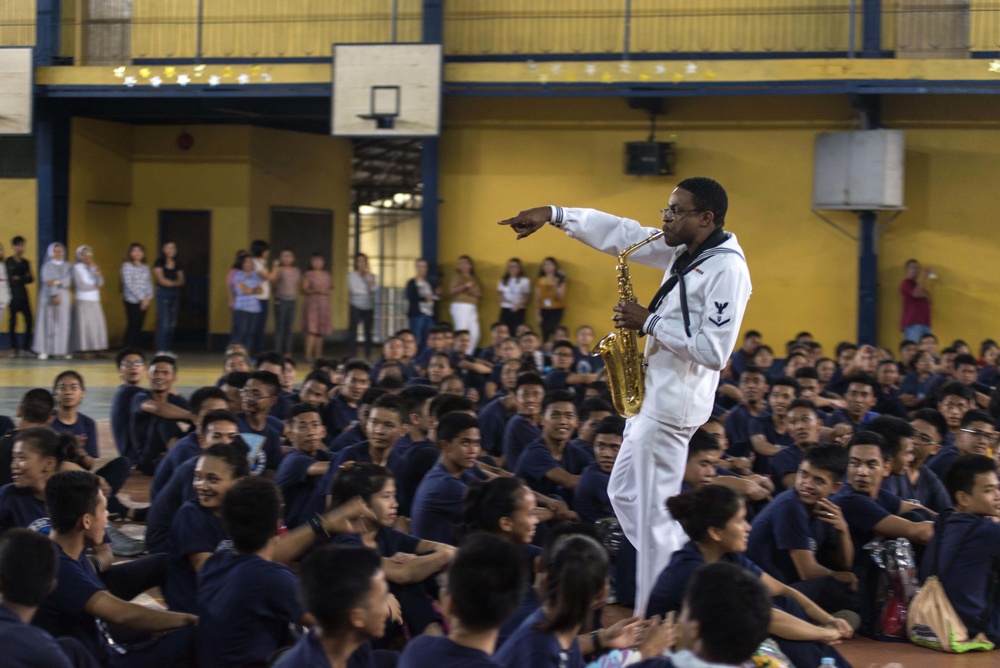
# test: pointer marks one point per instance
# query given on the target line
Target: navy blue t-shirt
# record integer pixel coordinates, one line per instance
(20, 508)
(26, 646)
(537, 460)
(587, 363)
(840, 416)
(62, 612)
(966, 574)
(338, 415)
(518, 433)
(121, 413)
(84, 426)
(940, 462)
(195, 529)
(246, 606)
(350, 437)
(590, 498)
(492, 421)
(668, 592)
(862, 514)
(388, 541)
(418, 460)
(929, 491)
(150, 434)
(298, 488)
(785, 462)
(763, 425)
(183, 450)
(529, 602)
(528, 647)
(265, 445)
(738, 432)
(359, 453)
(437, 505)
(429, 652)
(785, 524)
(178, 490)
(308, 653)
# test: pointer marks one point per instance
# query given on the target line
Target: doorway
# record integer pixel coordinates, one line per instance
(192, 232)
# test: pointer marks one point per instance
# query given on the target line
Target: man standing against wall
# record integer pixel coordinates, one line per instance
(693, 323)
(916, 320)
(19, 276)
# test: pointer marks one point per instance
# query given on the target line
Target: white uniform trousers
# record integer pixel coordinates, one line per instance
(649, 469)
(466, 316)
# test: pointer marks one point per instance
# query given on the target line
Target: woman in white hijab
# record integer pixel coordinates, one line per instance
(90, 330)
(55, 307)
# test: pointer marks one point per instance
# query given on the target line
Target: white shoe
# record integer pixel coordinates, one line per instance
(42, 356)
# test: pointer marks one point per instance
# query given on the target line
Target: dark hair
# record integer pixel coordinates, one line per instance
(893, 430)
(335, 579)
(707, 195)
(956, 389)
(371, 395)
(986, 345)
(211, 417)
(233, 454)
(390, 382)
(132, 246)
(964, 360)
(270, 357)
(563, 344)
(443, 404)
(829, 457)
(250, 512)
(318, 377)
(125, 352)
(865, 379)
(237, 379)
(357, 365)
(888, 361)
(844, 346)
(241, 257)
(358, 479)
(558, 397)
(486, 503)
(612, 424)
(702, 441)
(358, 256)
(17, 241)
(258, 247)
(391, 402)
(786, 381)
(453, 424)
(753, 370)
(71, 374)
(28, 567)
(752, 333)
(593, 405)
(601, 387)
(268, 378)
(69, 495)
(806, 372)
(486, 581)
(302, 408)
(928, 335)
(528, 378)
(960, 476)
(733, 611)
(576, 570)
(871, 438)
(203, 394)
(164, 359)
(802, 403)
(506, 274)
(707, 507)
(37, 406)
(47, 443)
(934, 418)
(975, 415)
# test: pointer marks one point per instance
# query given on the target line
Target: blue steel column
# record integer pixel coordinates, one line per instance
(47, 20)
(52, 133)
(433, 33)
(867, 278)
(871, 35)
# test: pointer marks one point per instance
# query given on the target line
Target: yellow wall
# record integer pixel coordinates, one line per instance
(500, 156)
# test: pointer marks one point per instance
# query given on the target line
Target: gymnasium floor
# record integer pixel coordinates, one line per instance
(196, 370)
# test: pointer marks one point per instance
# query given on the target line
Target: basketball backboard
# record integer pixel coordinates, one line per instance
(391, 90)
(15, 91)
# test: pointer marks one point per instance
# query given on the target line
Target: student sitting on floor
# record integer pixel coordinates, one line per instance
(921, 483)
(802, 539)
(203, 401)
(714, 518)
(804, 428)
(552, 465)
(484, 585)
(965, 550)
(523, 428)
(385, 426)
(28, 566)
(261, 431)
(197, 532)
(724, 618)
(355, 433)
(78, 513)
(303, 468)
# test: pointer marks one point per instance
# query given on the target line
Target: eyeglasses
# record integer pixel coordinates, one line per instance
(132, 365)
(925, 439)
(255, 394)
(988, 436)
(675, 212)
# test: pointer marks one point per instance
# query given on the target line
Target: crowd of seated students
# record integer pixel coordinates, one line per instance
(454, 507)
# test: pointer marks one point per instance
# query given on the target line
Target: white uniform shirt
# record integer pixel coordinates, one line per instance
(683, 371)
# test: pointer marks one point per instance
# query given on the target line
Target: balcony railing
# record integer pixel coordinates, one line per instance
(122, 31)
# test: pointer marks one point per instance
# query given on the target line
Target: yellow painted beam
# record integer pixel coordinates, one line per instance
(596, 72)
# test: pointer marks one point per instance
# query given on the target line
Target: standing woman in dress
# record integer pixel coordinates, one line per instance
(137, 292)
(90, 330)
(465, 291)
(169, 280)
(316, 286)
(514, 291)
(285, 280)
(246, 287)
(55, 308)
(550, 297)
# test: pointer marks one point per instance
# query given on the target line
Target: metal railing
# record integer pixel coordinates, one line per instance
(120, 31)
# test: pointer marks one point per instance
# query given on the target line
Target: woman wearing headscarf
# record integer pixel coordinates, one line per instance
(53, 325)
(90, 330)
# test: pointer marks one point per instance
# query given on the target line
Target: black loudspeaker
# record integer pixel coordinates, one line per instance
(649, 158)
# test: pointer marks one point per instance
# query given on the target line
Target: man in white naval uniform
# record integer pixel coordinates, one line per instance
(692, 325)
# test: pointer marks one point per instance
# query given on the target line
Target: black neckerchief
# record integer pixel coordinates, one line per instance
(684, 263)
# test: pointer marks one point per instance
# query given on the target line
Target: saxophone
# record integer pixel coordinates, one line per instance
(625, 366)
